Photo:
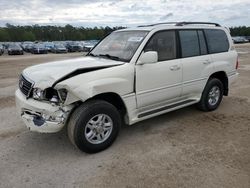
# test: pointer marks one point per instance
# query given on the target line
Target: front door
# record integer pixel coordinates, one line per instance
(161, 82)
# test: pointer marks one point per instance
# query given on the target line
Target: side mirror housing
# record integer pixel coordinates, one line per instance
(148, 58)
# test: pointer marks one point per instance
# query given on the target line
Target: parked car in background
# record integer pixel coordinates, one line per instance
(87, 48)
(1, 49)
(59, 48)
(88, 45)
(39, 49)
(27, 46)
(239, 39)
(14, 49)
(248, 38)
(74, 47)
(49, 46)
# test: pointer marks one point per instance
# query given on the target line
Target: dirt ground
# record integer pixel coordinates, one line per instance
(184, 148)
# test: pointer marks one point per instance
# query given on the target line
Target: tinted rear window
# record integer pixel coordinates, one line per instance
(189, 43)
(216, 40)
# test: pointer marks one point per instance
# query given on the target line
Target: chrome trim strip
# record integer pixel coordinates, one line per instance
(195, 80)
(174, 85)
(166, 108)
(128, 95)
(157, 89)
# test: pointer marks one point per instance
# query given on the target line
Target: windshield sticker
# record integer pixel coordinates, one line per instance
(135, 39)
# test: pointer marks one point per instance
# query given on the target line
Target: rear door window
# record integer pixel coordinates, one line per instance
(217, 40)
(189, 43)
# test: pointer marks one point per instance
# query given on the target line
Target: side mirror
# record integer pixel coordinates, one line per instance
(148, 58)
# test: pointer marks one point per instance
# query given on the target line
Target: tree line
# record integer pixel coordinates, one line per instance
(240, 31)
(52, 33)
(68, 32)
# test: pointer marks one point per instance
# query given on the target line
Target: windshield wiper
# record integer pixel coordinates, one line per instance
(109, 56)
(91, 54)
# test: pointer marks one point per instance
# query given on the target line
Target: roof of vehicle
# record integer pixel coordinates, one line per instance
(174, 25)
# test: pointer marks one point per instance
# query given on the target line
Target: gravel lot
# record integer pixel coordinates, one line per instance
(184, 148)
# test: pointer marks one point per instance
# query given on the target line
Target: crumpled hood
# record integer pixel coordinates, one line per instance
(45, 75)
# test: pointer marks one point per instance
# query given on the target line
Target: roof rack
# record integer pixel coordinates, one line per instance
(182, 24)
(158, 24)
(197, 23)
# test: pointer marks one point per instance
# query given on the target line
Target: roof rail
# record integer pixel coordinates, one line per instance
(149, 25)
(198, 23)
(182, 24)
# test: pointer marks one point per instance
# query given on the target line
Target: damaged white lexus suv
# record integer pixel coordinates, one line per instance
(131, 75)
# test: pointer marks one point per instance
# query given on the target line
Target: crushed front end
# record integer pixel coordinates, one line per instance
(41, 110)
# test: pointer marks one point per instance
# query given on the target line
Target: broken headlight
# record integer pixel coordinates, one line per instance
(38, 94)
(50, 94)
(62, 94)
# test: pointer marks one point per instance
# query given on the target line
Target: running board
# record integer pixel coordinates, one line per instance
(165, 108)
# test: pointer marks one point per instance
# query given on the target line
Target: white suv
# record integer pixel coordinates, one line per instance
(131, 75)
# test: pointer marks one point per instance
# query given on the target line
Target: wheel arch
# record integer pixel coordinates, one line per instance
(114, 99)
(222, 76)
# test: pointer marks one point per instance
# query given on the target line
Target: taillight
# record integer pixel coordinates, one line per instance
(237, 63)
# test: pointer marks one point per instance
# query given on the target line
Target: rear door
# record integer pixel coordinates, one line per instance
(196, 62)
(218, 47)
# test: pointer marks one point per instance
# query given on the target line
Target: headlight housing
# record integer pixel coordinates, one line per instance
(50, 94)
(62, 94)
(38, 94)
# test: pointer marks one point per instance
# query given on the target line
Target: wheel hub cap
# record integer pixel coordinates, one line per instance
(98, 129)
(214, 95)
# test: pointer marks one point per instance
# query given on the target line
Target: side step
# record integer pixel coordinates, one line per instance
(165, 108)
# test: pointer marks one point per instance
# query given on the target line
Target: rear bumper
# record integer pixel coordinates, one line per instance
(232, 78)
(41, 116)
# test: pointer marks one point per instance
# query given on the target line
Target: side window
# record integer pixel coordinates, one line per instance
(203, 46)
(164, 43)
(189, 43)
(217, 40)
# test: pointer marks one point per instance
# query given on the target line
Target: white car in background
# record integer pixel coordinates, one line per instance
(131, 75)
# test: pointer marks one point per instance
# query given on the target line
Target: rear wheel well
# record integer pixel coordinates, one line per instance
(223, 78)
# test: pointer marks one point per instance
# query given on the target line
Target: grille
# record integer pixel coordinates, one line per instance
(25, 86)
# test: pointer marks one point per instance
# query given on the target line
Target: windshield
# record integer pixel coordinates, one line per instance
(119, 45)
(14, 46)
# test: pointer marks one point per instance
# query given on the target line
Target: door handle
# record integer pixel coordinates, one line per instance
(206, 62)
(175, 68)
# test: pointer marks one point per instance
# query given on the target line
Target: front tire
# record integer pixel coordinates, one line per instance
(94, 126)
(211, 95)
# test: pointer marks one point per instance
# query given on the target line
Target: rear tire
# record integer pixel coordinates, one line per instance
(94, 126)
(211, 95)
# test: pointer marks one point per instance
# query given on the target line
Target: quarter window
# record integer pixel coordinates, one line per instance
(164, 43)
(203, 46)
(217, 40)
(189, 43)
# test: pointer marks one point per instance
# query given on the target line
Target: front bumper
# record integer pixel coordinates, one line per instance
(40, 116)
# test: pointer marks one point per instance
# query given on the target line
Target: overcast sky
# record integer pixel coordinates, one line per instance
(122, 12)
